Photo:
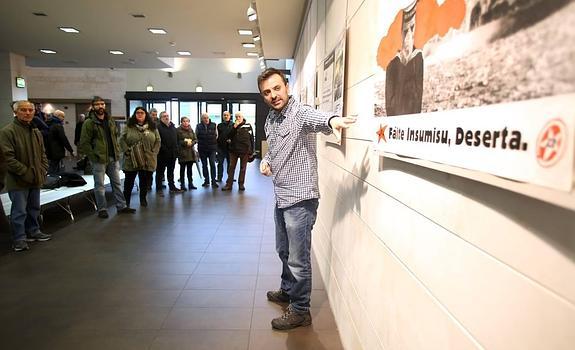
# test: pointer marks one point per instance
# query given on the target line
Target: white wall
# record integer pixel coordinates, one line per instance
(413, 258)
(214, 75)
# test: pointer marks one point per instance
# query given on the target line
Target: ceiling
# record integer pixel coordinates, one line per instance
(206, 28)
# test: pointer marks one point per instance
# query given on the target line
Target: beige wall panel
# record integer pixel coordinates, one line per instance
(352, 7)
(495, 303)
(375, 289)
(361, 46)
(335, 23)
(79, 84)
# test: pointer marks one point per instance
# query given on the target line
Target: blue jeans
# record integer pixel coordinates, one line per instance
(24, 213)
(293, 244)
(210, 156)
(112, 169)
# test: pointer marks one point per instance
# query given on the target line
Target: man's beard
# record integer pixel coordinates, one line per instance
(100, 111)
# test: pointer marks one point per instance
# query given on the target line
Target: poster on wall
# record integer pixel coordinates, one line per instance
(333, 84)
(465, 73)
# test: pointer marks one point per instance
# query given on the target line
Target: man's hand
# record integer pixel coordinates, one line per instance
(265, 168)
(340, 123)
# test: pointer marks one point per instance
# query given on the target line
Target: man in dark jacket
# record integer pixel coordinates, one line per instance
(168, 153)
(207, 134)
(26, 164)
(224, 129)
(241, 147)
(99, 142)
(57, 142)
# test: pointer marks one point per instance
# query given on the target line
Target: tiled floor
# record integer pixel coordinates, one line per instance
(188, 272)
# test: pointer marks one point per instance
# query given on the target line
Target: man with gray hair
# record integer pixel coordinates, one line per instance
(57, 142)
(26, 166)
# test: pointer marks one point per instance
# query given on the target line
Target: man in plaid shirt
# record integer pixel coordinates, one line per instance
(291, 130)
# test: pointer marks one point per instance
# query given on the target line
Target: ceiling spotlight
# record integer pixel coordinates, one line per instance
(69, 29)
(149, 87)
(199, 88)
(116, 52)
(252, 54)
(245, 32)
(184, 53)
(256, 38)
(248, 45)
(47, 51)
(252, 15)
(157, 31)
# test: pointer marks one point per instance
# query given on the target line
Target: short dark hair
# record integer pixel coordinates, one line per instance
(96, 99)
(268, 73)
(132, 120)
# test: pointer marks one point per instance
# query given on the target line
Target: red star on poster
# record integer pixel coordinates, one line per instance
(381, 133)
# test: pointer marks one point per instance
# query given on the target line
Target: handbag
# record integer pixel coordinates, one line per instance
(137, 155)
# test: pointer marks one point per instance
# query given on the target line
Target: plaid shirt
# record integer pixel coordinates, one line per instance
(291, 135)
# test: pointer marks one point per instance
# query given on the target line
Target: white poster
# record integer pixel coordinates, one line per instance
(530, 141)
(333, 84)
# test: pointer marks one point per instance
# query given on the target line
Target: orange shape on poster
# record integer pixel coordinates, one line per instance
(430, 19)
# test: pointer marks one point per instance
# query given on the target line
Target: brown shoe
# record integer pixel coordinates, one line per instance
(292, 319)
(226, 188)
(278, 296)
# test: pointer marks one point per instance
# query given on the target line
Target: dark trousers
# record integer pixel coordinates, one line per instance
(189, 166)
(210, 156)
(163, 163)
(54, 166)
(232, 169)
(223, 154)
(143, 179)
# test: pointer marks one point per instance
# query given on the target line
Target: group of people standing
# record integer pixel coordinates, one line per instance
(148, 144)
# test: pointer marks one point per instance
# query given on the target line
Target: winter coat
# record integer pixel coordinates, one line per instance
(186, 153)
(224, 129)
(57, 141)
(150, 139)
(242, 139)
(207, 137)
(93, 139)
(26, 161)
(2, 169)
(169, 136)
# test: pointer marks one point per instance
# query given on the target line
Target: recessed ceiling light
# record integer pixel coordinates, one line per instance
(256, 38)
(184, 53)
(245, 32)
(40, 14)
(47, 51)
(138, 15)
(116, 52)
(252, 54)
(248, 45)
(69, 29)
(157, 31)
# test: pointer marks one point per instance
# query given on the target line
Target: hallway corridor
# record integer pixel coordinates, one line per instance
(190, 271)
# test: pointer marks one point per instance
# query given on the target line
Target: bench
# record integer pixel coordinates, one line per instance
(62, 196)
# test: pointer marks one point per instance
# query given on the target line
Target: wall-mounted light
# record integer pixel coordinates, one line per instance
(149, 87)
(251, 13)
(199, 88)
